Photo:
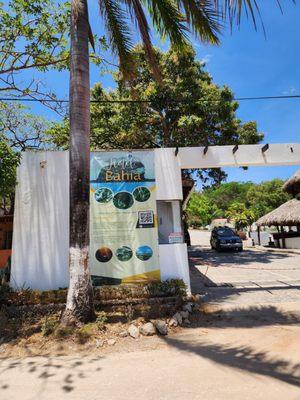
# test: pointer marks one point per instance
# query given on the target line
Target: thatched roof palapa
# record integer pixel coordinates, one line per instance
(292, 185)
(288, 214)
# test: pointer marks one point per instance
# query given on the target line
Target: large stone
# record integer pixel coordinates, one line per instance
(178, 318)
(148, 329)
(99, 343)
(184, 314)
(134, 331)
(162, 327)
(173, 322)
(188, 307)
(123, 334)
(111, 342)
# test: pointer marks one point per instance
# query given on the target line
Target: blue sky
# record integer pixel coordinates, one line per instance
(251, 65)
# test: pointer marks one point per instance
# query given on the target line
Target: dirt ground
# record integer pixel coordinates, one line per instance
(242, 343)
(232, 353)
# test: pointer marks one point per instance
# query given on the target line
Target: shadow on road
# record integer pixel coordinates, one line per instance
(239, 259)
(243, 358)
(202, 260)
(67, 372)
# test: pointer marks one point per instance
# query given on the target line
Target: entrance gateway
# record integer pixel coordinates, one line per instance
(135, 213)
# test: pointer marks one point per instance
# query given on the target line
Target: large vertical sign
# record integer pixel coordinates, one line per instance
(123, 218)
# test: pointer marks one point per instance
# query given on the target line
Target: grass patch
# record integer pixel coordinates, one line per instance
(48, 326)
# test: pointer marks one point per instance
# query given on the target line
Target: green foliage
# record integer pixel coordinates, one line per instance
(9, 161)
(38, 29)
(185, 109)
(101, 320)
(62, 332)
(240, 215)
(21, 129)
(171, 20)
(266, 197)
(48, 326)
(241, 202)
(24, 297)
(201, 211)
(34, 35)
(170, 287)
(222, 196)
(83, 334)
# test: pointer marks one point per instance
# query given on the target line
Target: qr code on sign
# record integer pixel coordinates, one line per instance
(146, 217)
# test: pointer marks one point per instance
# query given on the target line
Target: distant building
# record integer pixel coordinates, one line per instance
(286, 217)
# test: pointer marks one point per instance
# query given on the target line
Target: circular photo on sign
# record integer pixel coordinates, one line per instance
(123, 200)
(103, 195)
(144, 253)
(124, 253)
(104, 254)
(141, 194)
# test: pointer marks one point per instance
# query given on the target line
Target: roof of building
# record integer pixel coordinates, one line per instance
(292, 185)
(288, 214)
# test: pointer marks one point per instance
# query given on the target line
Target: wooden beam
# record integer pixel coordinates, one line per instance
(283, 238)
(247, 155)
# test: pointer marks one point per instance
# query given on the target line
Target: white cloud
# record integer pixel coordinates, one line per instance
(206, 59)
(291, 90)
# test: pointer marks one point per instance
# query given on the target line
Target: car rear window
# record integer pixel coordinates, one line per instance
(225, 232)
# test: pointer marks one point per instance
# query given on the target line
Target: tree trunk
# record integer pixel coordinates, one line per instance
(80, 305)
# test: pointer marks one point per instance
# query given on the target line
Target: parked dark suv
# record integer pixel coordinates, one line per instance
(225, 238)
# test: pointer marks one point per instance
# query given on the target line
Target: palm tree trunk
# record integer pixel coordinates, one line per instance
(80, 305)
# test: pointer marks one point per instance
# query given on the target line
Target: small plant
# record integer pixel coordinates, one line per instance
(63, 331)
(48, 326)
(83, 334)
(101, 320)
(129, 313)
(5, 290)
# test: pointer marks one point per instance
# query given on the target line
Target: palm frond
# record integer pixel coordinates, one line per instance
(138, 16)
(233, 10)
(204, 18)
(119, 34)
(168, 21)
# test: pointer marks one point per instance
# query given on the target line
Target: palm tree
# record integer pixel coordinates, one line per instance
(172, 19)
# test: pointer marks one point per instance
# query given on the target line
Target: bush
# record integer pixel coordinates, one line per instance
(83, 334)
(48, 326)
(101, 320)
(63, 331)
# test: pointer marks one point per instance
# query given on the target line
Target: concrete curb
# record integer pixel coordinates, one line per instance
(274, 250)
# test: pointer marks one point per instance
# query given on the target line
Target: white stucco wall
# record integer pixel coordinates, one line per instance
(290, 243)
(41, 222)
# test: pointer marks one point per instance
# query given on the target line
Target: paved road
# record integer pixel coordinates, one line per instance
(253, 276)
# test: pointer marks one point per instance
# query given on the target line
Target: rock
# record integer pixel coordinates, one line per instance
(184, 314)
(123, 334)
(188, 307)
(187, 322)
(178, 318)
(198, 298)
(99, 343)
(148, 329)
(111, 342)
(173, 322)
(134, 331)
(2, 349)
(162, 327)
